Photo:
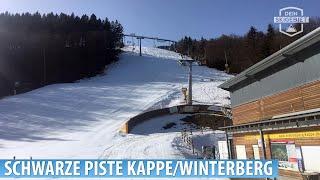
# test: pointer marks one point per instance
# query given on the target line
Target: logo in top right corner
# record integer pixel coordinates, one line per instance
(291, 21)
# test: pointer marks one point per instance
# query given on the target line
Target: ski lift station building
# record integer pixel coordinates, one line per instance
(276, 109)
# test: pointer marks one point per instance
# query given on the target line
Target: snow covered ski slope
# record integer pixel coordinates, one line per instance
(82, 119)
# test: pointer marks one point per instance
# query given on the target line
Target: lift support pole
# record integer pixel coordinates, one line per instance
(189, 102)
(140, 38)
(140, 47)
(188, 62)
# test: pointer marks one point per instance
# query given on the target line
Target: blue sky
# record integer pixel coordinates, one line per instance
(172, 19)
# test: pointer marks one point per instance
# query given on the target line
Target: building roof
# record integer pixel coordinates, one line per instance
(298, 45)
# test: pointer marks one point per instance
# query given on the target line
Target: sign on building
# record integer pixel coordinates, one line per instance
(223, 150)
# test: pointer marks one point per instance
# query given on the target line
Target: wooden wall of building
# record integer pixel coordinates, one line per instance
(293, 100)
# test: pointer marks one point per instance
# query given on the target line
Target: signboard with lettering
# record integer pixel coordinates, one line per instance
(288, 135)
(285, 152)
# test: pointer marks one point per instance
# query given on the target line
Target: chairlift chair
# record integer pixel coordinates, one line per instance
(154, 43)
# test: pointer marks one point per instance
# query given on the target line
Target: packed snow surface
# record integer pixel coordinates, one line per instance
(82, 119)
(160, 142)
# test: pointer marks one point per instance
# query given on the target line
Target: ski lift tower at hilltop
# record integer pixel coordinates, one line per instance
(139, 38)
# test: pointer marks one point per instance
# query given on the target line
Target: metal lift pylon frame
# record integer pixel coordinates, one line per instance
(146, 37)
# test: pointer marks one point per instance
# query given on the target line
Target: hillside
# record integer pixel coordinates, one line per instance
(81, 120)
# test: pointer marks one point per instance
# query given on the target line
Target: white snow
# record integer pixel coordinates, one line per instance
(149, 141)
(82, 119)
(160, 143)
